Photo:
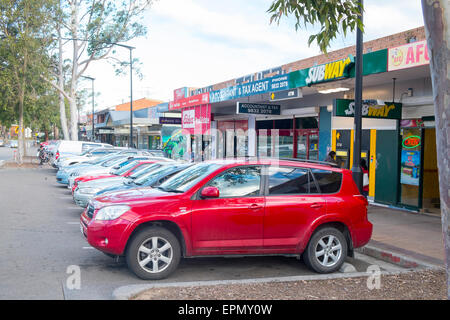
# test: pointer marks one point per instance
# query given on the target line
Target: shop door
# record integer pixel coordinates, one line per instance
(430, 185)
(307, 144)
(410, 167)
(386, 177)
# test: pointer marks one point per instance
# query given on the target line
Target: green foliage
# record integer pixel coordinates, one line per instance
(333, 16)
(24, 26)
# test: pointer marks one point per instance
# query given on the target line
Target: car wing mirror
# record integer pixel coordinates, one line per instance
(210, 192)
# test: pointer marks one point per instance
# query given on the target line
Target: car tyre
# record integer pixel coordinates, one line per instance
(153, 253)
(326, 250)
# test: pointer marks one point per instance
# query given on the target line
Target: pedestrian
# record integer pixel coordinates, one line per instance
(331, 157)
(365, 171)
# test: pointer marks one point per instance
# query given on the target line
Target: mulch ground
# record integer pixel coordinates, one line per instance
(419, 285)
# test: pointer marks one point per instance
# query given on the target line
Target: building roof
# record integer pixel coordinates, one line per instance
(138, 104)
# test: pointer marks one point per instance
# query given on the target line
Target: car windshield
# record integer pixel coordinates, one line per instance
(153, 174)
(124, 169)
(112, 162)
(141, 171)
(184, 180)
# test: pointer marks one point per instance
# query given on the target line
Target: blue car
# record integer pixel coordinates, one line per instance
(151, 178)
(62, 176)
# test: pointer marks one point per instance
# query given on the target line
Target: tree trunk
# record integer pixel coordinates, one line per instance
(62, 105)
(74, 80)
(436, 15)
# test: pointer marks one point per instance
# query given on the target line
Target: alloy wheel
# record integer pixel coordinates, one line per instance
(155, 254)
(328, 251)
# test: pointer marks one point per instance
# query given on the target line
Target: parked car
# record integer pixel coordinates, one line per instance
(67, 147)
(87, 155)
(107, 168)
(233, 207)
(62, 176)
(13, 144)
(149, 178)
(2, 143)
(84, 191)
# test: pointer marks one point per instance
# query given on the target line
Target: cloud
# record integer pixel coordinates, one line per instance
(200, 42)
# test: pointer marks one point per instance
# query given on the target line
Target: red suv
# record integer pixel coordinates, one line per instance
(228, 207)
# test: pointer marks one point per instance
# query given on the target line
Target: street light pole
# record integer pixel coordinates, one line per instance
(356, 168)
(93, 105)
(131, 96)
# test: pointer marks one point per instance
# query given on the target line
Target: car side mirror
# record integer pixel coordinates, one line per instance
(210, 192)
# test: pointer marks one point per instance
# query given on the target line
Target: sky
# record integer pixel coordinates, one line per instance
(196, 43)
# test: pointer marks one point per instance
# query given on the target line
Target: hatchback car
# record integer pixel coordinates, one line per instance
(233, 207)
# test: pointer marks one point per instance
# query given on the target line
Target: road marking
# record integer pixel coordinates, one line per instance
(88, 248)
(78, 222)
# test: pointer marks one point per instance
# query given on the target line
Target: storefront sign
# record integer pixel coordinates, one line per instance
(411, 142)
(273, 84)
(258, 108)
(180, 93)
(197, 120)
(286, 94)
(370, 109)
(330, 71)
(189, 102)
(169, 120)
(409, 55)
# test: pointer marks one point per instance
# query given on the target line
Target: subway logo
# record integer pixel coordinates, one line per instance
(330, 71)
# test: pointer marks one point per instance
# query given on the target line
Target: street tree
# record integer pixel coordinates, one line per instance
(336, 16)
(24, 56)
(93, 27)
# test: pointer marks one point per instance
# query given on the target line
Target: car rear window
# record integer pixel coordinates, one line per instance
(290, 180)
(328, 181)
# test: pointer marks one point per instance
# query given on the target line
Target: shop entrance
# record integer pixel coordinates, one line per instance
(288, 138)
(419, 178)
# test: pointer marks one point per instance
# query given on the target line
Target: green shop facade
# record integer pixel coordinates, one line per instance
(316, 116)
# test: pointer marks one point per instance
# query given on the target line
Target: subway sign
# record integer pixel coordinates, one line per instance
(370, 109)
(330, 71)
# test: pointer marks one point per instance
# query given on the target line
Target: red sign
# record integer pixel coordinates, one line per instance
(196, 100)
(180, 93)
(197, 120)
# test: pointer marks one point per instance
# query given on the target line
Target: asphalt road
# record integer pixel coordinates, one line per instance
(40, 242)
(6, 153)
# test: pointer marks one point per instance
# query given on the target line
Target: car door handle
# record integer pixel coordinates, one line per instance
(316, 205)
(254, 206)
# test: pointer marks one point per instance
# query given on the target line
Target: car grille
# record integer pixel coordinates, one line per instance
(90, 211)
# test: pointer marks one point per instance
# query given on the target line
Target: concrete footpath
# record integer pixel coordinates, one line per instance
(398, 233)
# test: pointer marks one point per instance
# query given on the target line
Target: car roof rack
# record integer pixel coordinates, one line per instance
(313, 161)
(326, 163)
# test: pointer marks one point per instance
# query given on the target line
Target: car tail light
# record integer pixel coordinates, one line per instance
(57, 156)
(362, 199)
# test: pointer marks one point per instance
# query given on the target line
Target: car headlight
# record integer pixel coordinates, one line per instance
(111, 212)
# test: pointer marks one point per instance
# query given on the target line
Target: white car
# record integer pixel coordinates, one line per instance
(68, 147)
(90, 154)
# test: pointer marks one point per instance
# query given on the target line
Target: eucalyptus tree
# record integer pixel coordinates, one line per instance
(336, 16)
(24, 33)
(92, 29)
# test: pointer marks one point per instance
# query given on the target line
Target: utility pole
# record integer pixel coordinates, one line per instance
(93, 105)
(356, 168)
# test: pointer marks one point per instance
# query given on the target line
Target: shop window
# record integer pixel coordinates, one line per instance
(306, 123)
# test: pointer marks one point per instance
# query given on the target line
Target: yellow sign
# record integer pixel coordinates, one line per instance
(330, 71)
(409, 55)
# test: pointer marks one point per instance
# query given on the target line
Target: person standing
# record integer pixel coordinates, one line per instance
(365, 170)
(331, 157)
